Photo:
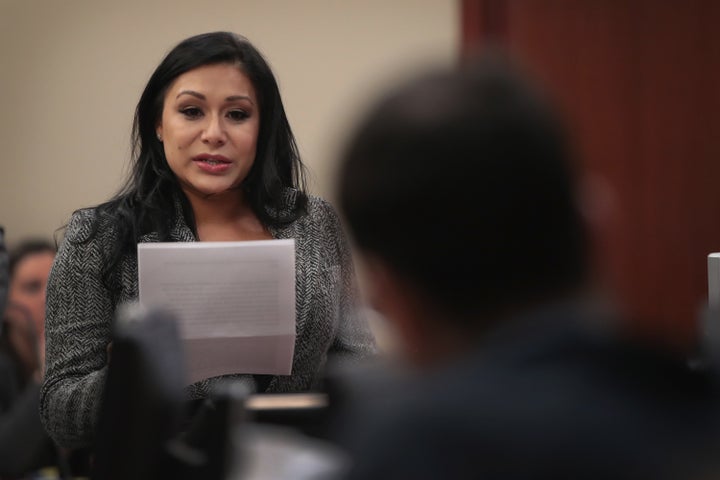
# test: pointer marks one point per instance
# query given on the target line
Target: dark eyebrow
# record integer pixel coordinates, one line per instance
(191, 92)
(231, 98)
(239, 97)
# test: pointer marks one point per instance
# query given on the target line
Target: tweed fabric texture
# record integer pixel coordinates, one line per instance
(80, 311)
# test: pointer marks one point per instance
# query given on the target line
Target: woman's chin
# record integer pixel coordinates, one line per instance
(212, 191)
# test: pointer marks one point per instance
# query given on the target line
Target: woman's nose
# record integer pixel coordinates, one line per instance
(214, 132)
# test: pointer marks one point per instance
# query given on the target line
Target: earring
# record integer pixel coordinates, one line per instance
(159, 137)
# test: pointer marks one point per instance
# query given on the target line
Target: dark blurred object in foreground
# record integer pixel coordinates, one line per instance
(148, 431)
(141, 408)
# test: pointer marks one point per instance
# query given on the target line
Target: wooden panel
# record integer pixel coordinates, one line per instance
(639, 81)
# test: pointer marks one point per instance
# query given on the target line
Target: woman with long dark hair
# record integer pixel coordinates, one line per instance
(214, 159)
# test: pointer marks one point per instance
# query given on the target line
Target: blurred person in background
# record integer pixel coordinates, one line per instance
(4, 280)
(25, 447)
(29, 268)
(476, 236)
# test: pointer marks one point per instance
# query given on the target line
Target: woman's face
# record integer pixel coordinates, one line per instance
(209, 129)
(28, 285)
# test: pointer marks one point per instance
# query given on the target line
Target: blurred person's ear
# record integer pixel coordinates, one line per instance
(597, 201)
(598, 204)
(387, 294)
(423, 338)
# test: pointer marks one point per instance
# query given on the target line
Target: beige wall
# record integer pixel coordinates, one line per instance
(72, 71)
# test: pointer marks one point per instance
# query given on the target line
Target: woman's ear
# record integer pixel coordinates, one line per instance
(158, 132)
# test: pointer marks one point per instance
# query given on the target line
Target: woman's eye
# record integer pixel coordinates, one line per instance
(237, 115)
(191, 112)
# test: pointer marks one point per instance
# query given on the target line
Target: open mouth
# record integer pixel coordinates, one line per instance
(211, 162)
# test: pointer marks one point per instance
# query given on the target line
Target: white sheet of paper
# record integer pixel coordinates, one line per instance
(235, 302)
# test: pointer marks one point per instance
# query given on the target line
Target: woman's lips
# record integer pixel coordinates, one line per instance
(212, 163)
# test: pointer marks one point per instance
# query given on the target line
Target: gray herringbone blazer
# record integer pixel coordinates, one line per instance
(80, 311)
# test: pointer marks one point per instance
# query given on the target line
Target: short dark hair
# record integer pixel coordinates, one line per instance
(25, 249)
(461, 181)
(147, 199)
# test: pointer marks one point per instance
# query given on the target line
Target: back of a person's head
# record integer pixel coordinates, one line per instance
(460, 181)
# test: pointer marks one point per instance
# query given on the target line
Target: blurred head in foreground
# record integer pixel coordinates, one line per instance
(459, 192)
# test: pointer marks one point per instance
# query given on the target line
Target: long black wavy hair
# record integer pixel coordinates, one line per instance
(146, 202)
